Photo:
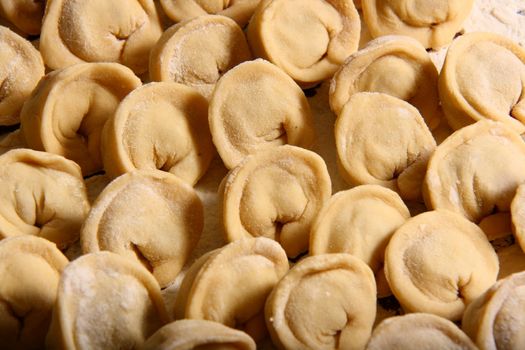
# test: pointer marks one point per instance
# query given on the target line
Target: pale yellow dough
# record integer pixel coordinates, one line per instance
(383, 140)
(121, 31)
(476, 171)
(495, 320)
(230, 285)
(68, 109)
(198, 52)
(511, 260)
(239, 10)
(256, 106)
(324, 302)
(198, 334)
(30, 268)
(149, 216)
(432, 22)
(159, 126)
(42, 195)
(24, 15)
(105, 301)
(517, 210)
(419, 331)
(438, 262)
(484, 78)
(349, 223)
(21, 67)
(276, 194)
(395, 65)
(308, 39)
(12, 140)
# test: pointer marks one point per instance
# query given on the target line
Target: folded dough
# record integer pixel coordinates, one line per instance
(198, 52)
(438, 262)
(230, 285)
(378, 68)
(419, 331)
(239, 10)
(256, 106)
(12, 140)
(42, 195)
(105, 301)
(432, 22)
(150, 216)
(383, 140)
(495, 319)
(121, 31)
(349, 223)
(324, 302)
(67, 111)
(276, 194)
(159, 126)
(198, 334)
(24, 15)
(511, 260)
(21, 67)
(308, 39)
(517, 210)
(476, 171)
(484, 78)
(30, 268)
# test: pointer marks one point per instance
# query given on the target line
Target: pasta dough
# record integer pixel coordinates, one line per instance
(517, 210)
(21, 67)
(419, 331)
(433, 23)
(198, 334)
(10, 141)
(324, 302)
(230, 285)
(24, 15)
(159, 126)
(105, 301)
(30, 268)
(438, 262)
(276, 194)
(198, 52)
(348, 224)
(484, 78)
(383, 140)
(121, 31)
(256, 106)
(378, 68)
(149, 216)
(67, 111)
(308, 39)
(42, 195)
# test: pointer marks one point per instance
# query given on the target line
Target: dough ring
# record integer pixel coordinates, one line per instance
(438, 262)
(30, 268)
(383, 140)
(24, 15)
(377, 68)
(324, 302)
(348, 223)
(21, 67)
(484, 78)
(494, 320)
(433, 23)
(120, 31)
(198, 334)
(276, 194)
(68, 109)
(239, 10)
(256, 106)
(419, 331)
(105, 301)
(42, 195)
(308, 39)
(476, 171)
(150, 216)
(211, 289)
(159, 126)
(198, 52)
